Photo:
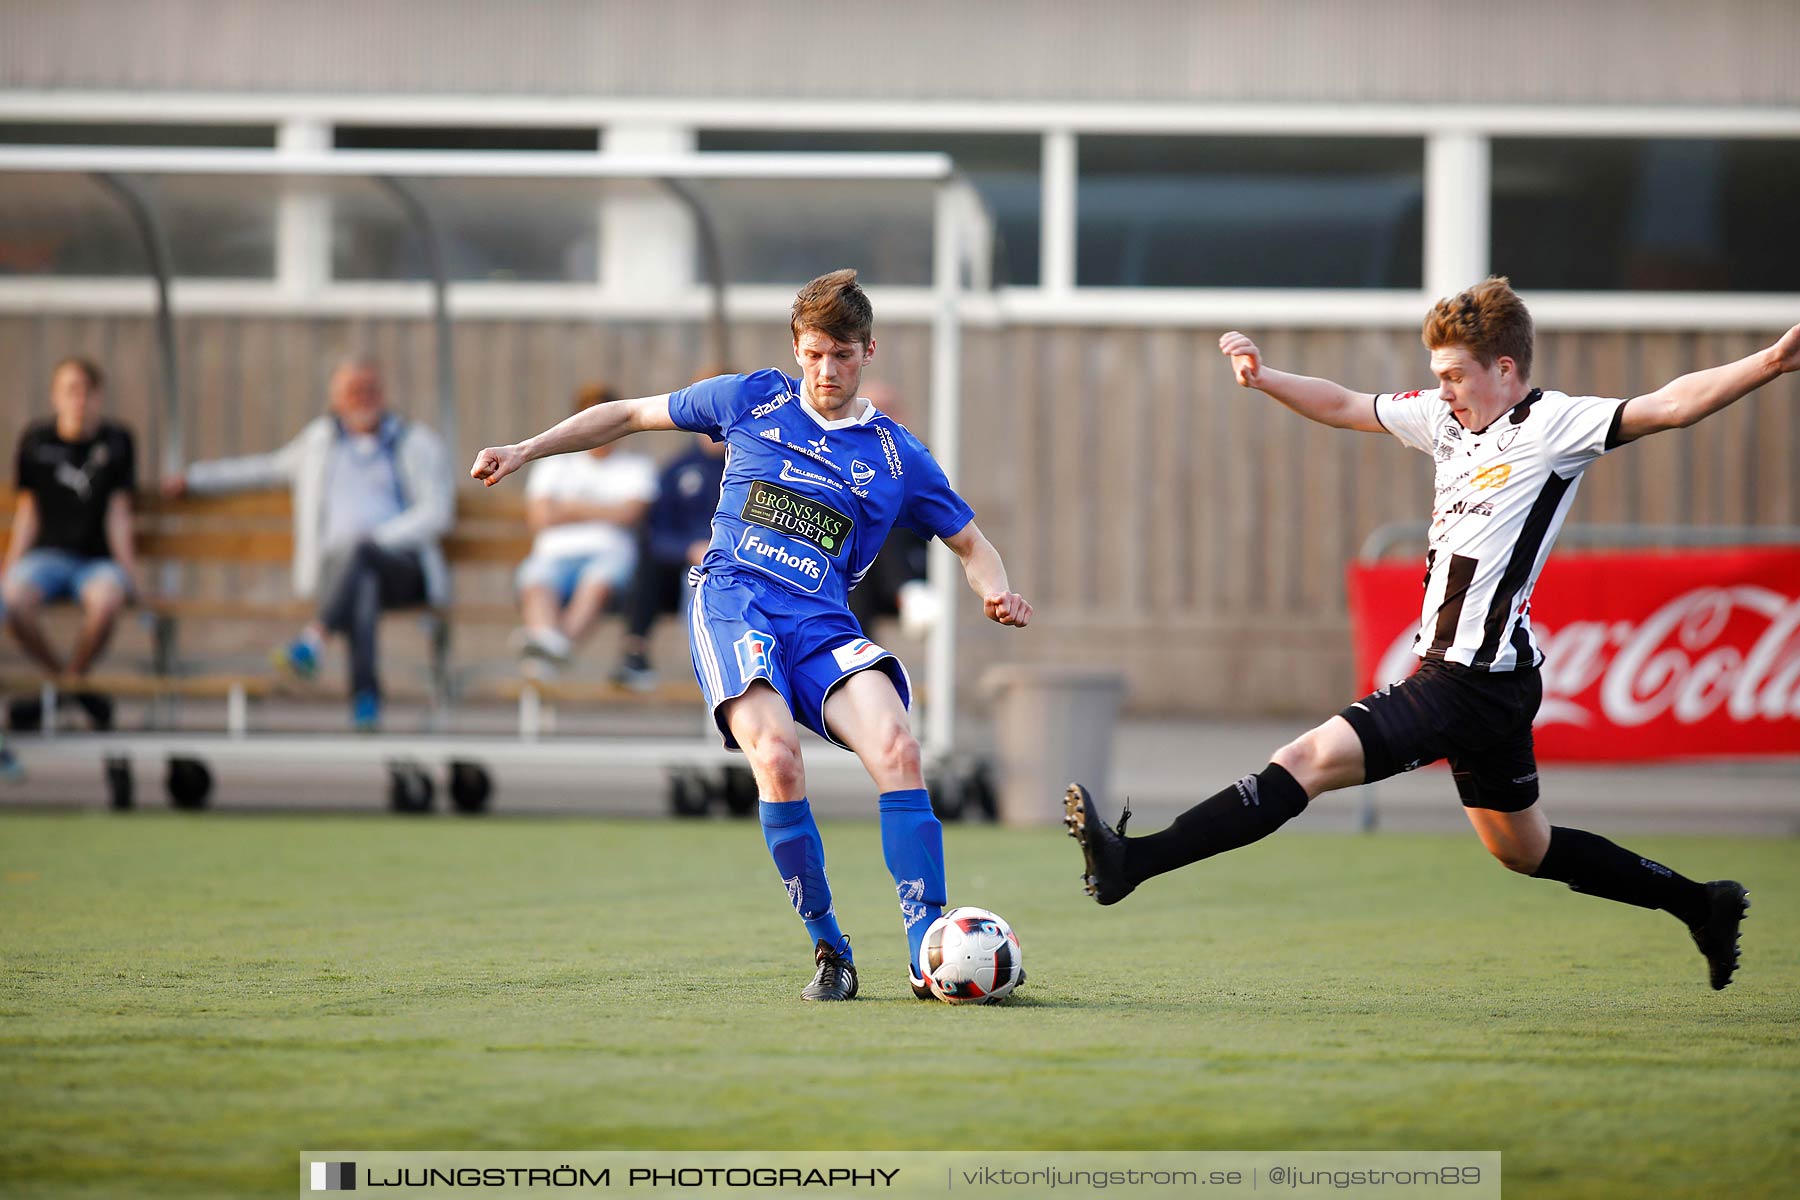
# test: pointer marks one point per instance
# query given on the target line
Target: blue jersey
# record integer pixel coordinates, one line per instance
(808, 502)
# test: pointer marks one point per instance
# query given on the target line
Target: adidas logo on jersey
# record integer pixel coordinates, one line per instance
(774, 435)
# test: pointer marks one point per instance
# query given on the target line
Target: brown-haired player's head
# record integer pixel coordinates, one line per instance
(1480, 342)
(833, 326)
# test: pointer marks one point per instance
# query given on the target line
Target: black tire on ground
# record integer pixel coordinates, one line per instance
(980, 796)
(471, 787)
(189, 783)
(410, 789)
(946, 796)
(119, 789)
(738, 787)
(689, 793)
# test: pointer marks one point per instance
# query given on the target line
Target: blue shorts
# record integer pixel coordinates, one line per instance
(742, 629)
(563, 575)
(59, 575)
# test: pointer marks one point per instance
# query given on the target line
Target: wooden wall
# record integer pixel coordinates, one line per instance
(1161, 519)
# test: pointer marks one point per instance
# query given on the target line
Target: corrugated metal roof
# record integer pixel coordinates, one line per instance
(1729, 52)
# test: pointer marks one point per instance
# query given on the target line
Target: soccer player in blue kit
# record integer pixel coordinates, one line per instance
(815, 477)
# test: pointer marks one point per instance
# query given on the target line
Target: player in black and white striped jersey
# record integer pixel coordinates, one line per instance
(1509, 459)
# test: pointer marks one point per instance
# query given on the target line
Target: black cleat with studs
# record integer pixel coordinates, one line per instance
(1102, 847)
(835, 978)
(1717, 936)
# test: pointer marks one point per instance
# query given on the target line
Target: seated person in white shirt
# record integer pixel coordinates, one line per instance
(584, 509)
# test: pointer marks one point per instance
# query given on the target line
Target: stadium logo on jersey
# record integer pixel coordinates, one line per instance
(772, 433)
(789, 512)
(861, 472)
(785, 560)
(753, 654)
(764, 409)
(792, 474)
(1489, 478)
(859, 653)
(891, 452)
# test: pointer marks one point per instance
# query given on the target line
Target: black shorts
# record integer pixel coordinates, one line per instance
(1479, 720)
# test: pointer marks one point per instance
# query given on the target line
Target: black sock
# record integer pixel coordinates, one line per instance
(1589, 863)
(1252, 808)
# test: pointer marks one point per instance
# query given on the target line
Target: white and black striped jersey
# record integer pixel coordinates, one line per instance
(1502, 494)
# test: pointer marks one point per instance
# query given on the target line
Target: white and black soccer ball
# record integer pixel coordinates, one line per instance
(971, 957)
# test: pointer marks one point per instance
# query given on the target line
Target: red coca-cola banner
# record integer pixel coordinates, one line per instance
(1646, 655)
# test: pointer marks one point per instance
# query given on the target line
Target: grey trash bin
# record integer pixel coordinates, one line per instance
(1054, 725)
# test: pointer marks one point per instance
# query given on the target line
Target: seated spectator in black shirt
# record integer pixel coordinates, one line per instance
(676, 532)
(72, 527)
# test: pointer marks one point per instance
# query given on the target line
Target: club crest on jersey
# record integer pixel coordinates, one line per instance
(1508, 436)
(859, 653)
(861, 472)
(787, 560)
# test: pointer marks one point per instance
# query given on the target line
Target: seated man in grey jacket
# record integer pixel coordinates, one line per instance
(372, 498)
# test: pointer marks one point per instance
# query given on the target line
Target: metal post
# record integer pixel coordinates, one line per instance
(156, 250)
(712, 262)
(946, 409)
(422, 222)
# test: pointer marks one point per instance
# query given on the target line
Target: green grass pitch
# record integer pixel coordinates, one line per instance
(188, 1002)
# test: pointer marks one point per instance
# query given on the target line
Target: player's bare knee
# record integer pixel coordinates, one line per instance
(21, 600)
(1516, 857)
(898, 752)
(775, 760)
(1305, 759)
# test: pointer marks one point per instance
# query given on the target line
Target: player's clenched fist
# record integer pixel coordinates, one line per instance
(496, 463)
(1008, 608)
(1246, 359)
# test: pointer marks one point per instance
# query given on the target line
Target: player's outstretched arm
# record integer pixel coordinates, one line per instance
(1693, 397)
(594, 426)
(987, 576)
(1319, 400)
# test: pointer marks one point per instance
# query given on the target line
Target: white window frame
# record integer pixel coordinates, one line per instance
(1457, 208)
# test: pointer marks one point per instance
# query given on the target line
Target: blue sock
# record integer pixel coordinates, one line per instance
(912, 842)
(799, 854)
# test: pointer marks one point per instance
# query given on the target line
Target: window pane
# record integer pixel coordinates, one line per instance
(451, 137)
(492, 229)
(1004, 168)
(1250, 212)
(87, 133)
(69, 225)
(1680, 214)
(787, 232)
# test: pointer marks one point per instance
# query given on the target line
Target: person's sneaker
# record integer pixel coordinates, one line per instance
(834, 980)
(11, 769)
(299, 658)
(635, 674)
(1717, 936)
(99, 710)
(365, 712)
(1102, 847)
